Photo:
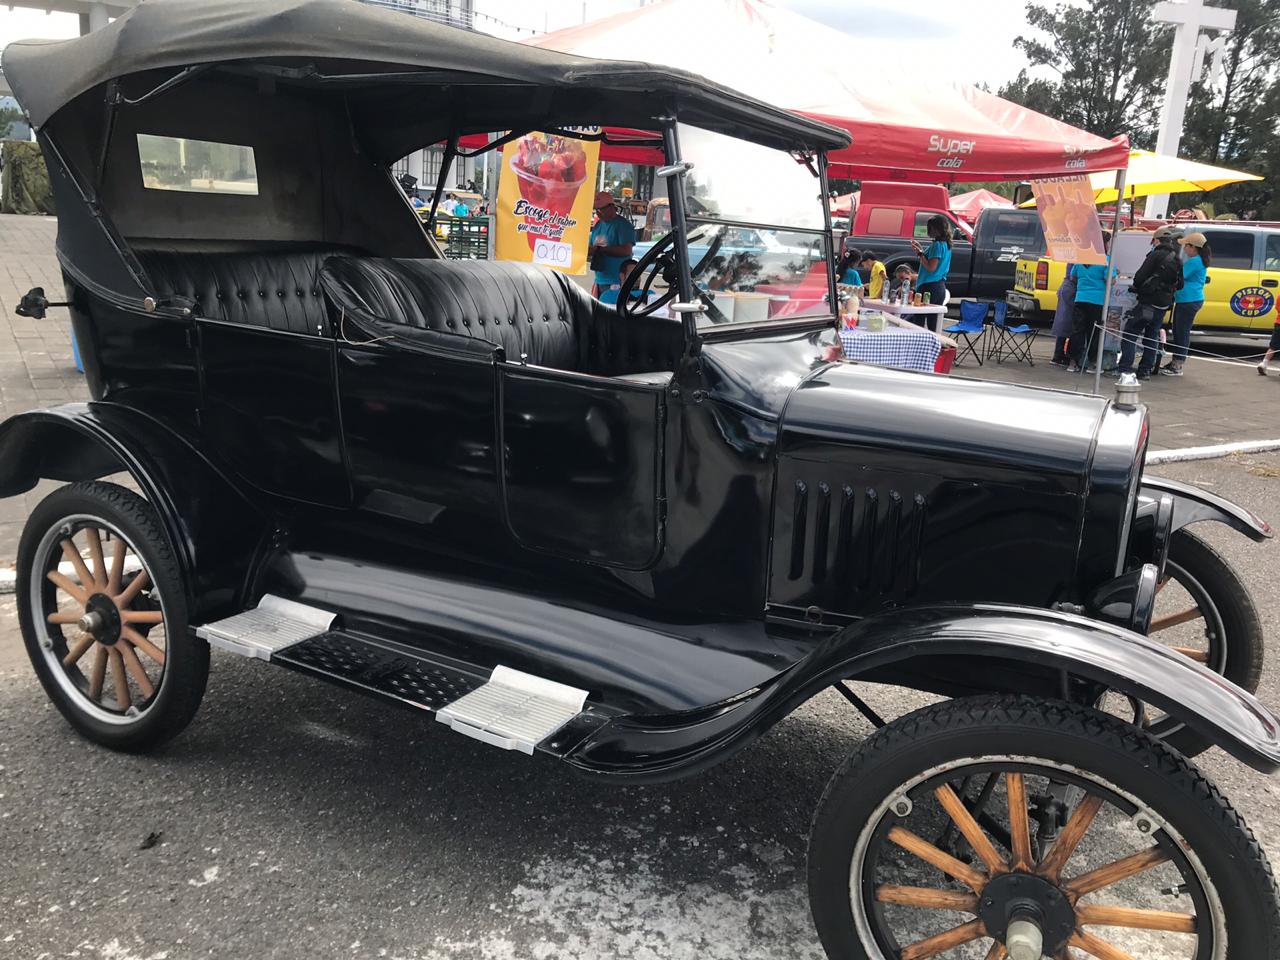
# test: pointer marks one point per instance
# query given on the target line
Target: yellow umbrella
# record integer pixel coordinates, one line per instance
(1152, 173)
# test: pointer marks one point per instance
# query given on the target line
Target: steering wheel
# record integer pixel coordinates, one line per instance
(658, 261)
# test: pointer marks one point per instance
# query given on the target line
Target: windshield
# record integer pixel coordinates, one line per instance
(757, 240)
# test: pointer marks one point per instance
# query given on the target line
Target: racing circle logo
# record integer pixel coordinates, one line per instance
(1252, 301)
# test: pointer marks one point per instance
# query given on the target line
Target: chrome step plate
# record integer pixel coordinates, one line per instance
(273, 625)
(514, 710)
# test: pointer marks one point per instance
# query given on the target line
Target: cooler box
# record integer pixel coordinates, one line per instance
(945, 359)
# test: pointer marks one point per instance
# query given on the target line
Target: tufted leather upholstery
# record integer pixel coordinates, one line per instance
(521, 308)
(270, 287)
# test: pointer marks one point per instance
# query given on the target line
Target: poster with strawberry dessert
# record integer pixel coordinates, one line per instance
(1072, 232)
(544, 200)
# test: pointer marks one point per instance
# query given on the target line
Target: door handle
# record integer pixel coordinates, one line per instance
(1271, 283)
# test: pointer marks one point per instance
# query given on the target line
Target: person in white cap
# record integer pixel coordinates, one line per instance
(613, 238)
(1196, 258)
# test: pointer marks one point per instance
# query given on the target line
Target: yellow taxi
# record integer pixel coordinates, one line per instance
(1240, 294)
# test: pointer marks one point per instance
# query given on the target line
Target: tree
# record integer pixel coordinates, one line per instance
(8, 117)
(1107, 59)
(1234, 122)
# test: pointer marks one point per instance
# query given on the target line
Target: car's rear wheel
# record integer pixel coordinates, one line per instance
(104, 617)
(1204, 611)
(1007, 827)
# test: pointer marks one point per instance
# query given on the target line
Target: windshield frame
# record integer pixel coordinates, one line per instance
(690, 303)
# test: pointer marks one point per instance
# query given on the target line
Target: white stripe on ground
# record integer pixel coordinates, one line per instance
(1211, 452)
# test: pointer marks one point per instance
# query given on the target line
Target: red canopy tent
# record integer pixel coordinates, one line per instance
(967, 206)
(916, 129)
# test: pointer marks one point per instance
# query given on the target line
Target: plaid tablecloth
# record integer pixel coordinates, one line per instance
(907, 349)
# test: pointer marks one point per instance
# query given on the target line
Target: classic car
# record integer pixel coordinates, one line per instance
(623, 542)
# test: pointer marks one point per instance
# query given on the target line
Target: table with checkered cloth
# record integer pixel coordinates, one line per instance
(907, 349)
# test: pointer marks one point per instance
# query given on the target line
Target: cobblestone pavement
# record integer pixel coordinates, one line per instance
(36, 369)
(1215, 402)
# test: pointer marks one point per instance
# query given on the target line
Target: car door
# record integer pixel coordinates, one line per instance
(1233, 295)
(1269, 277)
(269, 409)
(582, 463)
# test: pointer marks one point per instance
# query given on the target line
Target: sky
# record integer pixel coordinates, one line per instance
(934, 35)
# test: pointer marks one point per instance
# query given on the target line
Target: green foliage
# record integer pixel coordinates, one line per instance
(8, 117)
(1003, 187)
(24, 181)
(1107, 61)
(1237, 123)
(1101, 65)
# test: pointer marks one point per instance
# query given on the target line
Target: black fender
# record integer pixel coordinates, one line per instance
(1191, 504)
(215, 530)
(988, 647)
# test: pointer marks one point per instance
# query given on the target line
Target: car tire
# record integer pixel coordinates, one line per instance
(150, 686)
(1148, 795)
(1238, 652)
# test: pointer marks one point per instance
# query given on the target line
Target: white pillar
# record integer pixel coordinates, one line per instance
(1191, 16)
(98, 16)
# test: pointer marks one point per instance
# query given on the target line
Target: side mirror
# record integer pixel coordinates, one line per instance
(33, 304)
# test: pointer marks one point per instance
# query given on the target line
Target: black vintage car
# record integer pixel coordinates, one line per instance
(626, 541)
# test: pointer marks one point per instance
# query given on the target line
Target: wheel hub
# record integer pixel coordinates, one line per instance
(101, 619)
(1014, 904)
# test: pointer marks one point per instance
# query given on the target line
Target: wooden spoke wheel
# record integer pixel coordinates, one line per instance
(104, 617)
(1010, 828)
(1204, 612)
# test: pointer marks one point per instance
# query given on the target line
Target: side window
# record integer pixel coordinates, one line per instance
(1271, 256)
(920, 229)
(1232, 249)
(885, 221)
(1016, 230)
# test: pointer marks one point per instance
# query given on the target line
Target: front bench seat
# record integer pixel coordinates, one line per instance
(528, 311)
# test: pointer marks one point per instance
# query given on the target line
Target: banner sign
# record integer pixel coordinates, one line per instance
(545, 193)
(1072, 232)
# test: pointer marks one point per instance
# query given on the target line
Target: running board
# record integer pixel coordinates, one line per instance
(514, 710)
(275, 624)
(508, 709)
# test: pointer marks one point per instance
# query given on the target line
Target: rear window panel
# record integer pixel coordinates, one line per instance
(197, 166)
(885, 222)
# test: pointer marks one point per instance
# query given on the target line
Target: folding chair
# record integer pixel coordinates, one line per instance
(970, 330)
(1009, 341)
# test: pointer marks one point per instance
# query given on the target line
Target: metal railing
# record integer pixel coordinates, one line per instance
(465, 238)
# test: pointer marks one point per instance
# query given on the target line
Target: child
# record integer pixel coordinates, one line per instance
(878, 277)
(901, 276)
(610, 293)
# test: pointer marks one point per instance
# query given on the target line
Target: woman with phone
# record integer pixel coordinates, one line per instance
(935, 260)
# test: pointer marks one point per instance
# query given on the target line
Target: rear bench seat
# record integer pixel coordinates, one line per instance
(525, 310)
(277, 287)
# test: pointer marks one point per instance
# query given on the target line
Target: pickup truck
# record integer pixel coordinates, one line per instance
(1240, 294)
(890, 215)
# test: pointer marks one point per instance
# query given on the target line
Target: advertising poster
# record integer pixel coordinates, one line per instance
(544, 200)
(1072, 232)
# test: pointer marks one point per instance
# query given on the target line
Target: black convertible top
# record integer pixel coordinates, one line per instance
(368, 49)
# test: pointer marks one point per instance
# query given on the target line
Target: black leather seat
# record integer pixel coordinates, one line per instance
(527, 311)
(277, 287)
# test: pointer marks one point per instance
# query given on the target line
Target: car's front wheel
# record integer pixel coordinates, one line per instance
(1205, 612)
(104, 617)
(1013, 828)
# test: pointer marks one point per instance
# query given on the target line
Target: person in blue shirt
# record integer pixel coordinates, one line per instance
(935, 260)
(613, 239)
(1196, 258)
(1091, 290)
(610, 293)
(847, 268)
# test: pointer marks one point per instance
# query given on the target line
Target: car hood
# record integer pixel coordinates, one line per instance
(951, 424)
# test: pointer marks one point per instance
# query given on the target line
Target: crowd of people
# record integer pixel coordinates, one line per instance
(1168, 288)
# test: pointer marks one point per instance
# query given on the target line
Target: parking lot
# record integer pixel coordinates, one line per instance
(293, 820)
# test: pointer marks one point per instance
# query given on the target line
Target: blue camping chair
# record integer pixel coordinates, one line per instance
(1010, 341)
(970, 330)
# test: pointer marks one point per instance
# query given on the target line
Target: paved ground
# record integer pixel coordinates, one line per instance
(295, 821)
